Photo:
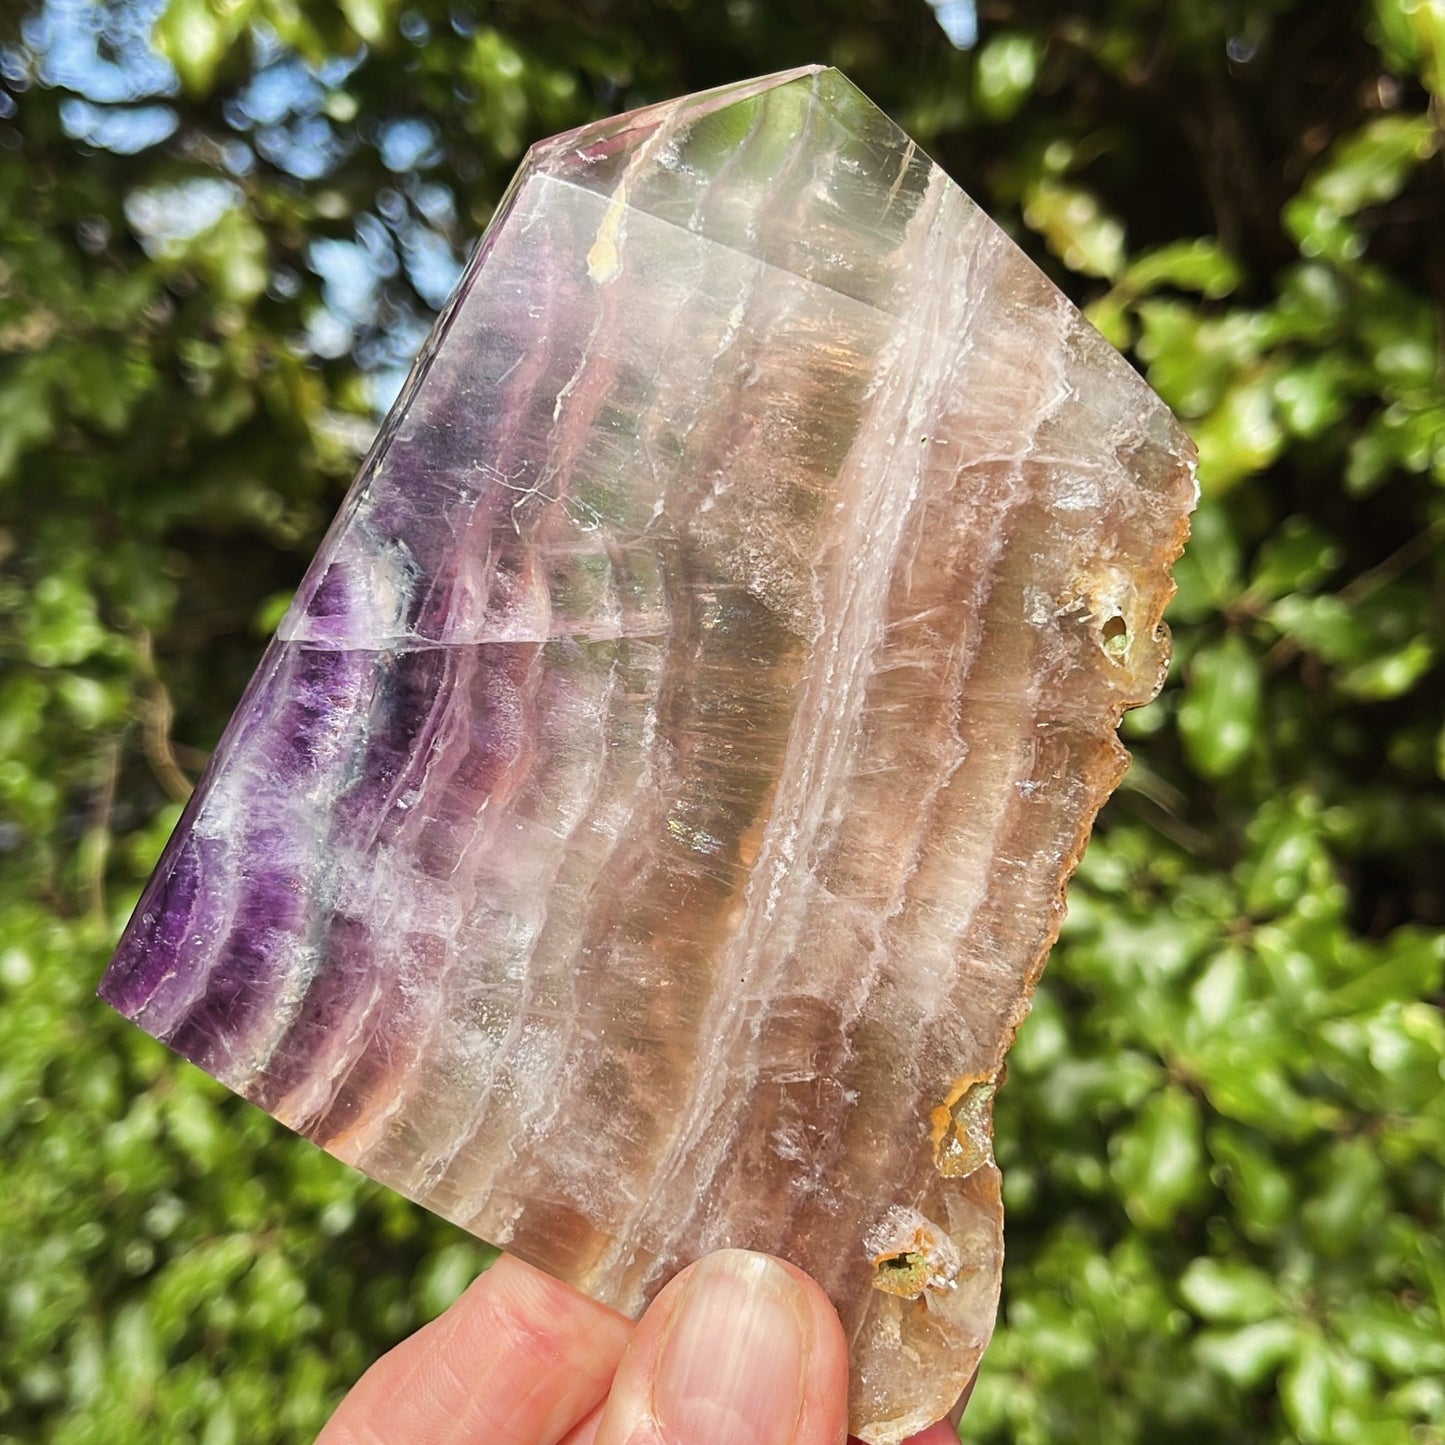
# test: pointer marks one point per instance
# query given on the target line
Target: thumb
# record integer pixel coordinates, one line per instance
(738, 1349)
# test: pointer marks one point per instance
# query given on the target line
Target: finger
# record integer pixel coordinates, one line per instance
(940, 1434)
(738, 1349)
(520, 1359)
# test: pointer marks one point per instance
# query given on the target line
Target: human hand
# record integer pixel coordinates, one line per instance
(738, 1349)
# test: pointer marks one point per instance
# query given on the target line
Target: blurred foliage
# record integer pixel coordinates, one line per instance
(224, 225)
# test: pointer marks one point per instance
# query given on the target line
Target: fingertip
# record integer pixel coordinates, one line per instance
(738, 1349)
(825, 1410)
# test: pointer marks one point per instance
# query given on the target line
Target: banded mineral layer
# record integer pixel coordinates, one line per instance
(649, 822)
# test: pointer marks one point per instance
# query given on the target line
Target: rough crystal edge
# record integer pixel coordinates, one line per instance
(1113, 759)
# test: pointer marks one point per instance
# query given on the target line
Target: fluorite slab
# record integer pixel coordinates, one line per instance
(647, 827)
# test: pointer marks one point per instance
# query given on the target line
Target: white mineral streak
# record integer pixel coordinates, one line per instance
(736, 614)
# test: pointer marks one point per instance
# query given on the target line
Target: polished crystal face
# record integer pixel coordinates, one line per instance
(647, 827)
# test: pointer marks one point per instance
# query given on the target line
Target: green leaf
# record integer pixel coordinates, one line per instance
(1325, 626)
(1221, 992)
(1008, 64)
(1411, 964)
(1219, 717)
(1296, 558)
(1241, 436)
(1412, 33)
(1392, 674)
(1287, 857)
(1157, 1160)
(448, 1273)
(1307, 1390)
(1366, 168)
(1224, 1291)
(1400, 1341)
(233, 251)
(1373, 164)
(195, 36)
(1311, 397)
(1349, 1205)
(1394, 32)
(370, 19)
(1259, 1188)
(1408, 436)
(27, 411)
(1249, 1356)
(1194, 360)
(1077, 228)
(62, 627)
(1201, 265)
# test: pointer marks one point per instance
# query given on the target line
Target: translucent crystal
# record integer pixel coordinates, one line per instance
(647, 827)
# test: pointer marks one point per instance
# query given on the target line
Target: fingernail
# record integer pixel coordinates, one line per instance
(732, 1367)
